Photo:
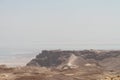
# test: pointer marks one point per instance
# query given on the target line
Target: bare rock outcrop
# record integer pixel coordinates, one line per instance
(106, 59)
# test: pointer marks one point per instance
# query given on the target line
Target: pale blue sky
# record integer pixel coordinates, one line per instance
(38, 23)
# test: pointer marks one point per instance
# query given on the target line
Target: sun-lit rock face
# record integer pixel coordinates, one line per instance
(111, 77)
(72, 61)
(105, 59)
(90, 65)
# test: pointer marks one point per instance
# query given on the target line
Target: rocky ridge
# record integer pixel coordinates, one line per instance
(67, 65)
(104, 59)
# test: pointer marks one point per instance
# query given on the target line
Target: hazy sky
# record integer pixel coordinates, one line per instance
(35, 23)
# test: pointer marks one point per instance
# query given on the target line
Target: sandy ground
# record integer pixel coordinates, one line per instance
(41, 73)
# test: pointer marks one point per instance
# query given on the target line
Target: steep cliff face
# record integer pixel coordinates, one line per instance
(49, 59)
(85, 58)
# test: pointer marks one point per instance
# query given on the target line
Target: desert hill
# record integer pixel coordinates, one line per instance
(104, 59)
(67, 65)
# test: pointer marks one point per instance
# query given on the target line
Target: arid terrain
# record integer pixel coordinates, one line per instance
(67, 65)
(41, 73)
